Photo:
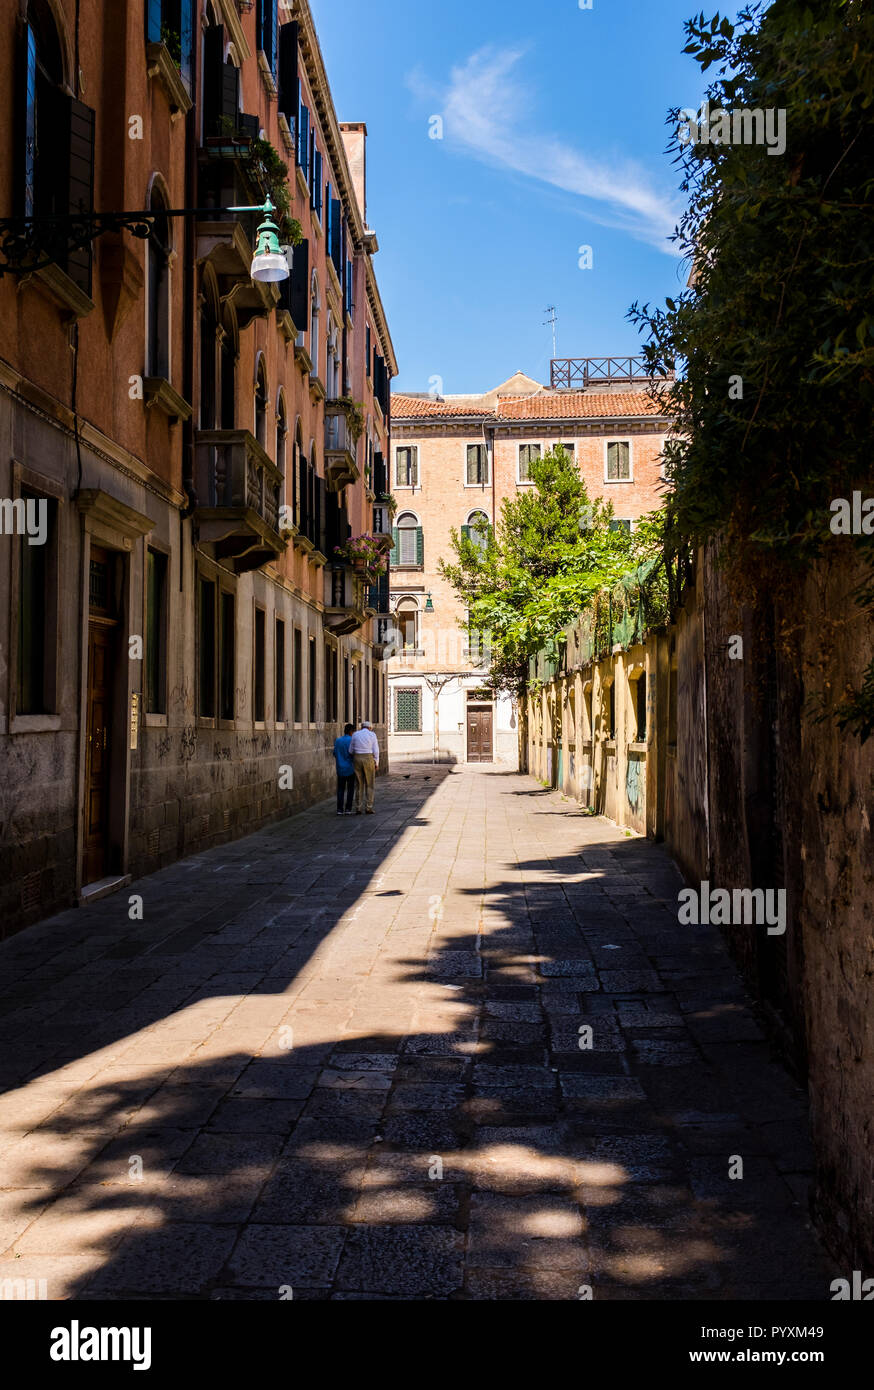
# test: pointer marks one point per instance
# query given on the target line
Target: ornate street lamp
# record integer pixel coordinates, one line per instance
(32, 243)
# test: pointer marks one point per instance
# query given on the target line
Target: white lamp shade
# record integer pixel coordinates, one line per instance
(270, 267)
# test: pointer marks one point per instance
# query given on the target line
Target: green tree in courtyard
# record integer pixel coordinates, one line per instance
(552, 552)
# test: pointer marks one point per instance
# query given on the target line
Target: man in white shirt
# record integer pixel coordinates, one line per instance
(365, 756)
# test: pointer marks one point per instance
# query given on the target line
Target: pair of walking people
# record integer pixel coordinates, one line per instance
(356, 755)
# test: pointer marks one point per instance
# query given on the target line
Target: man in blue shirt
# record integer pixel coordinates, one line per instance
(345, 771)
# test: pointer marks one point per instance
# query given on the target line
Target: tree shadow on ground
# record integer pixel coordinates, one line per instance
(474, 1150)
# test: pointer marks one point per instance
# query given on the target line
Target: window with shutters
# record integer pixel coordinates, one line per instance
(618, 466)
(206, 649)
(37, 615)
(477, 465)
(477, 530)
(282, 445)
(313, 683)
(279, 671)
(216, 651)
(260, 665)
(158, 290)
(267, 33)
(407, 466)
(54, 136)
(171, 22)
(303, 141)
(315, 310)
(298, 676)
(156, 632)
(527, 454)
(262, 402)
(408, 711)
(409, 542)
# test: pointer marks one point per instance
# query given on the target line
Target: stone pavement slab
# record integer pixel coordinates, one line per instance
(461, 1049)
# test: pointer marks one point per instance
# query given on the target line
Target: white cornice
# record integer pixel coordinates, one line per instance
(235, 28)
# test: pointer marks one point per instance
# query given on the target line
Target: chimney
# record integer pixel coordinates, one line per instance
(354, 135)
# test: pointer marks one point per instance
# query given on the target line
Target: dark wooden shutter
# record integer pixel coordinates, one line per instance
(186, 34)
(321, 528)
(380, 481)
(303, 518)
(336, 251)
(230, 88)
(274, 37)
(303, 141)
(295, 291)
(420, 546)
(318, 177)
(213, 63)
(79, 130)
(25, 122)
(289, 89)
(153, 21)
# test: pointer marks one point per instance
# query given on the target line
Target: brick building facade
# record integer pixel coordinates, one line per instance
(455, 460)
(177, 655)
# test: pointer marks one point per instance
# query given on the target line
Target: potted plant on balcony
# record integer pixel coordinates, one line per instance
(354, 412)
(366, 554)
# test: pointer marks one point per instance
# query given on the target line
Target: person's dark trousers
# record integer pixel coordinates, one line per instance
(347, 785)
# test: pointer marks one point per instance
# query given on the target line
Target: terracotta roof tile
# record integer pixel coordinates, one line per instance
(572, 405)
(408, 407)
(543, 405)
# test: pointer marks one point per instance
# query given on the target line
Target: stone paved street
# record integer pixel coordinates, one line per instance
(436, 1130)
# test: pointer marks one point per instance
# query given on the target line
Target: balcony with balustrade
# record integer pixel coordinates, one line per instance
(239, 489)
(347, 595)
(341, 446)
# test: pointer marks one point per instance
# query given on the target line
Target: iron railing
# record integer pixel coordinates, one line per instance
(578, 373)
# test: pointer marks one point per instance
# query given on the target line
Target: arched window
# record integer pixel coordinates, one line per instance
(407, 624)
(477, 529)
(409, 540)
(299, 480)
(158, 290)
(281, 443)
(315, 309)
(261, 403)
(229, 352)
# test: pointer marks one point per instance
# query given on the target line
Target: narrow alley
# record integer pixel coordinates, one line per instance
(461, 1049)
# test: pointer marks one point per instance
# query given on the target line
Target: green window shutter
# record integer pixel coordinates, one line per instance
(420, 546)
(465, 533)
(395, 553)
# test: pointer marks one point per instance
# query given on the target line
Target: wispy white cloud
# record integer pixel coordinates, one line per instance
(480, 111)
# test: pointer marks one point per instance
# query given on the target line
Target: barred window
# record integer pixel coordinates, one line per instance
(408, 711)
(618, 461)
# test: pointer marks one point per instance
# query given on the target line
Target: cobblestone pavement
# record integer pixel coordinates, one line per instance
(436, 1129)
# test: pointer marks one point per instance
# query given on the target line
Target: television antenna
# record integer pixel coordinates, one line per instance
(551, 322)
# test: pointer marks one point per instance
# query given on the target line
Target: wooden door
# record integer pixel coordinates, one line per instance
(479, 733)
(98, 743)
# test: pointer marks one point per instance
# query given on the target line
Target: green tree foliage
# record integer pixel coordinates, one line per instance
(774, 338)
(552, 552)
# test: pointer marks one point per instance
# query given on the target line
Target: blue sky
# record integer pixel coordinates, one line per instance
(553, 140)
